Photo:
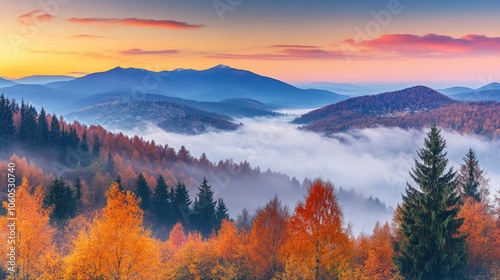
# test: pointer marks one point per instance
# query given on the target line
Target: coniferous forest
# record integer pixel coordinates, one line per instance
(97, 205)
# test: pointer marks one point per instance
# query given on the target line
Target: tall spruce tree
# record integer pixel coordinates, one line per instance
(142, 190)
(470, 177)
(43, 129)
(204, 215)
(181, 204)
(220, 213)
(431, 247)
(55, 132)
(162, 204)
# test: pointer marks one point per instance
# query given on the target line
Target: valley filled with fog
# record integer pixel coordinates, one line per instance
(373, 162)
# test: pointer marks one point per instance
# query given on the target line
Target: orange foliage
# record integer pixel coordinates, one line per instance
(116, 246)
(317, 237)
(483, 239)
(35, 251)
(268, 238)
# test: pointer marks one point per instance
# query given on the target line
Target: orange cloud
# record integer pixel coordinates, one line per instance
(35, 17)
(168, 24)
(294, 46)
(428, 45)
(83, 36)
(144, 52)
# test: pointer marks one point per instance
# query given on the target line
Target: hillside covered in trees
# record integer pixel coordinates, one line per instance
(415, 107)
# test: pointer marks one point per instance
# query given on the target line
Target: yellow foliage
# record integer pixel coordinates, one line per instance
(34, 237)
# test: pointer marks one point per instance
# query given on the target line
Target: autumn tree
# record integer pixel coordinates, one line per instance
(471, 179)
(116, 246)
(318, 239)
(378, 264)
(431, 246)
(34, 238)
(230, 252)
(267, 240)
(483, 239)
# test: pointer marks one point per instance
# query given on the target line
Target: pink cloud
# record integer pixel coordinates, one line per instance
(145, 52)
(34, 17)
(168, 24)
(285, 52)
(429, 45)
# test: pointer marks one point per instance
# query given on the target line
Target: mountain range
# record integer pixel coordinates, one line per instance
(489, 92)
(213, 84)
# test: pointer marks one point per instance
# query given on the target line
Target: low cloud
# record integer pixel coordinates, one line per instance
(374, 162)
(139, 22)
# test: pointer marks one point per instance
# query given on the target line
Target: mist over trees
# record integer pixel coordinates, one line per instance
(115, 207)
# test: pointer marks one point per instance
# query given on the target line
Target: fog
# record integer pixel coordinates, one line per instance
(374, 162)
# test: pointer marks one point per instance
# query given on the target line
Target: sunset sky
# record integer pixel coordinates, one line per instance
(421, 41)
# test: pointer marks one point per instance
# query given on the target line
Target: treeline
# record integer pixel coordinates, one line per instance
(446, 228)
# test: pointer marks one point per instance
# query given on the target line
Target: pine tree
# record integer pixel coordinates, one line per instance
(96, 147)
(43, 129)
(431, 246)
(78, 194)
(142, 191)
(470, 177)
(61, 197)
(181, 204)
(204, 218)
(84, 150)
(220, 213)
(29, 126)
(55, 132)
(110, 165)
(162, 204)
(6, 120)
(118, 181)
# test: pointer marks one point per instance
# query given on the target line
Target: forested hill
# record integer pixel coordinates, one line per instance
(418, 98)
(415, 107)
(170, 116)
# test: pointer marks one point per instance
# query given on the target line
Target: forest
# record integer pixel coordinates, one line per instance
(118, 208)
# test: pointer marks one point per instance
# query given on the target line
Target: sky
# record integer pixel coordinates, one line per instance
(436, 43)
